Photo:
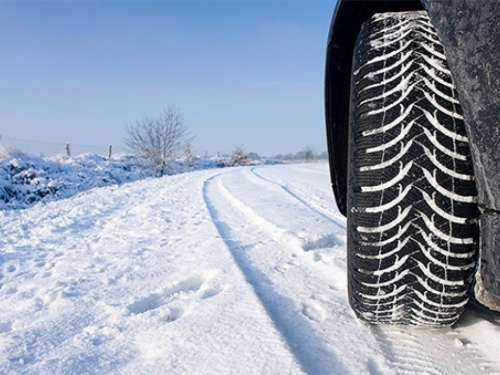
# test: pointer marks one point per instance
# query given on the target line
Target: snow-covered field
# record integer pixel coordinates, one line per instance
(218, 271)
(26, 180)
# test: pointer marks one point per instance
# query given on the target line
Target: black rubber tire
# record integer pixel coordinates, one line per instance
(412, 228)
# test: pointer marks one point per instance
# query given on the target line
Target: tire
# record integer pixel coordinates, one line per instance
(412, 211)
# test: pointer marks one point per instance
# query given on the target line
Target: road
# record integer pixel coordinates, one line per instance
(235, 270)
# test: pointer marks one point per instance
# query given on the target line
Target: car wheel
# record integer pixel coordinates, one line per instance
(412, 228)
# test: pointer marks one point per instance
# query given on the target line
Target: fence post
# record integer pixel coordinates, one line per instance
(109, 153)
(67, 149)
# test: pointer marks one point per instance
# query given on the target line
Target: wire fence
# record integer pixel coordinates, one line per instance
(47, 149)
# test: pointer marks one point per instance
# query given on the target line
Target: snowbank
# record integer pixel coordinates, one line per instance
(26, 180)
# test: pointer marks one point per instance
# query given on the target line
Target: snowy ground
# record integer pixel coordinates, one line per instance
(26, 180)
(219, 271)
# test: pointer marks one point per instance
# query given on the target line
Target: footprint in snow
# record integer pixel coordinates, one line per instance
(39, 263)
(314, 311)
(211, 291)
(176, 300)
(5, 327)
(322, 242)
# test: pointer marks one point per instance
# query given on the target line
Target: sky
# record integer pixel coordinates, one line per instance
(241, 73)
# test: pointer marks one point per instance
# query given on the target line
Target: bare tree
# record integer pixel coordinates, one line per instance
(307, 153)
(158, 139)
(239, 157)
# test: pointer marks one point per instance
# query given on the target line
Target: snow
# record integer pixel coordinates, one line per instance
(214, 271)
(26, 180)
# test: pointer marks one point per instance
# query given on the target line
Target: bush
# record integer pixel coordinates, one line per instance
(239, 157)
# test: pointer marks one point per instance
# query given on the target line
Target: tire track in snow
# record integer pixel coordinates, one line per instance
(432, 351)
(404, 350)
(424, 351)
(278, 307)
(308, 204)
(298, 307)
(302, 231)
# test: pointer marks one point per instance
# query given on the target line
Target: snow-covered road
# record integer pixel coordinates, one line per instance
(222, 271)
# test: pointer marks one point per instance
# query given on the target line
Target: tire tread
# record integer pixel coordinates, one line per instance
(411, 201)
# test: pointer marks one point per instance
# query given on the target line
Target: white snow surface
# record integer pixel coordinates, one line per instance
(218, 271)
(26, 180)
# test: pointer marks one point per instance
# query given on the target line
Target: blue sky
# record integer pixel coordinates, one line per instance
(241, 73)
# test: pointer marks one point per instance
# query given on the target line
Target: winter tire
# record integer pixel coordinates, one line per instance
(412, 228)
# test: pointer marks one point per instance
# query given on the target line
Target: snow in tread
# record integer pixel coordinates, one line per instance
(413, 250)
